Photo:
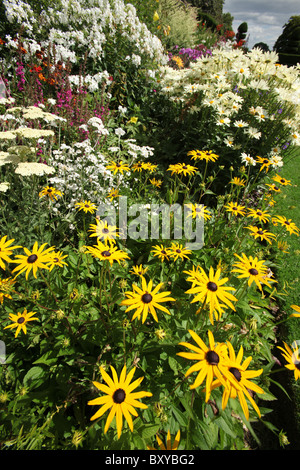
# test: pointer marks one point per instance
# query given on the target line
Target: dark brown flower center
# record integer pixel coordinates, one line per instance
(253, 272)
(178, 251)
(259, 213)
(286, 222)
(212, 358)
(236, 373)
(260, 232)
(212, 286)
(32, 259)
(21, 320)
(146, 298)
(106, 253)
(105, 230)
(119, 396)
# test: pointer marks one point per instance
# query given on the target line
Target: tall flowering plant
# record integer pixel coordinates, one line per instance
(239, 103)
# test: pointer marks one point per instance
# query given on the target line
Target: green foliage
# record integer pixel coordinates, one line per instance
(211, 7)
(242, 32)
(182, 20)
(289, 40)
(263, 46)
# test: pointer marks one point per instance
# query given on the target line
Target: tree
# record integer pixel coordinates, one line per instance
(213, 8)
(242, 32)
(262, 45)
(288, 43)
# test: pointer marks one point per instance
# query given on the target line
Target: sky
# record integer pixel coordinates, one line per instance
(265, 18)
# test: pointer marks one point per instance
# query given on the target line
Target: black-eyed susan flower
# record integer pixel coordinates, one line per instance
(238, 181)
(6, 250)
(252, 269)
(283, 246)
(4, 295)
(6, 287)
(118, 167)
(106, 252)
(146, 299)
(264, 162)
(279, 179)
(50, 192)
(86, 206)
(177, 250)
(185, 169)
(37, 258)
(150, 166)
(155, 182)
(139, 166)
(212, 361)
(20, 320)
(139, 270)
(168, 445)
(57, 260)
(198, 211)
(178, 61)
(292, 356)
(161, 251)
(103, 231)
(263, 235)
(297, 309)
(119, 398)
(206, 155)
(273, 188)
(241, 386)
(261, 215)
(174, 168)
(194, 275)
(209, 289)
(113, 193)
(235, 208)
(290, 226)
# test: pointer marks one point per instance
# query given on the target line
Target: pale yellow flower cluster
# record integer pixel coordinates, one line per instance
(221, 84)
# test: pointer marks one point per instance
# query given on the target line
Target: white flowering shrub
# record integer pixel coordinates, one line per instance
(104, 36)
(236, 104)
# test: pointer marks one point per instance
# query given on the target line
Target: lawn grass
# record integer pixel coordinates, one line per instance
(288, 276)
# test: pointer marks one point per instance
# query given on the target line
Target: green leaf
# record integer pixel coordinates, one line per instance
(34, 376)
(47, 359)
(149, 430)
(179, 415)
